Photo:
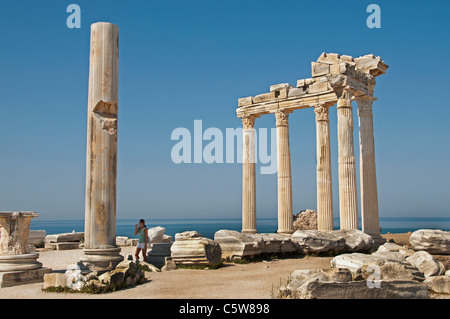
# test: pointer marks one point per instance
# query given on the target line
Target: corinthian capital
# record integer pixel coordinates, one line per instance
(248, 121)
(364, 107)
(282, 117)
(322, 113)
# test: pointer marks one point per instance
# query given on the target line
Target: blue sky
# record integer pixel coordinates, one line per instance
(187, 60)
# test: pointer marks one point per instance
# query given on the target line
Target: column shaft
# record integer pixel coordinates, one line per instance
(348, 202)
(369, 194)
(248, 176)
(324, 186)
(101, 162)
(285, 218)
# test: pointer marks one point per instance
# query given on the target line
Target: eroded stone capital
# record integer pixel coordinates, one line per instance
(364, 107)
(346, 98)
(248, 121)
(282, 117)
(322, 112)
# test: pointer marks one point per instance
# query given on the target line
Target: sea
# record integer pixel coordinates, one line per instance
(207, 227)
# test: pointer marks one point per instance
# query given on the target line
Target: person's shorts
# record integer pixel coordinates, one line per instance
(141, 245)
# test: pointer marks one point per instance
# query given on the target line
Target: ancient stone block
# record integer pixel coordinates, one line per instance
(320, 69)
(245, 101)
(191, 248)
(265, 97)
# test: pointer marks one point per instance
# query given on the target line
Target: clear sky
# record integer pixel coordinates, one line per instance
(182, 61)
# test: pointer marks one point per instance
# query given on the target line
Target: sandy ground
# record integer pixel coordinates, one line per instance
(234, 281)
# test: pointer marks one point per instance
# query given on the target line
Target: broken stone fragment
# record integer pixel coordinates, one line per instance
(329, 58)
(245, 101)
(319, 69)
(265, 97)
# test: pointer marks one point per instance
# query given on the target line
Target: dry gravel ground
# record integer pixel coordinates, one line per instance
(233, 281)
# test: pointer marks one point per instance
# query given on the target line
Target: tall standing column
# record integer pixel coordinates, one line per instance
(285, 218)
(324, 186)
(101, 252)
(248, 176)
(348, 202)
(369, 194)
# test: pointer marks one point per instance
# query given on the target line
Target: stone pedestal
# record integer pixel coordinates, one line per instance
(17, 265)
(101, 253)
(285, 218)
(248, 176)
(348, 202)
(324, 186)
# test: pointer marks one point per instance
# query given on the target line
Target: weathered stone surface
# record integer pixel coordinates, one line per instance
(122, 240)
(14, 278)
(315, 241)
(356, 240)
(156, 234)
(238, 245)
(275, 243)
(399, 271)
(132, 241)
(265, 97)
(319, 69)
(433, 241)
(425, 263)
(245, 101)
(55, 280)
(167, 239)
(356, 261)
(306, 220)
(293, 92)
(389, 289)
(146, 266)
(192, 248)
(62, 245)
(447, 273)
(158, 252)
(390, 247)
(390, 256)
(439, 284)
(115, 277)
(169, 265)
(36, 237)
(65, 237)
(14, 230)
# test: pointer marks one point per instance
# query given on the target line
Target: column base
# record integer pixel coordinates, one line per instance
(21, 262)
(249, 231)
(101, 260)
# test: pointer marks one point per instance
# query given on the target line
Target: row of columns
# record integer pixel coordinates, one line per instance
(348, 203)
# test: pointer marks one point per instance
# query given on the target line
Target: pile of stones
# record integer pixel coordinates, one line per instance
(392, 271)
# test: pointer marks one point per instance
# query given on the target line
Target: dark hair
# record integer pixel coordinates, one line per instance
(143, 222)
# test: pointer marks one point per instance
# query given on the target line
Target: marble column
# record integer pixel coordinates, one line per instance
(285, 218)
(101, 252)
(248, 175)
(324, 186)
(369, 194)
(348, 202)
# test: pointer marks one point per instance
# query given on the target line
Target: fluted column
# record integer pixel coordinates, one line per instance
(100, 251)
(248, 175)
(348, 202)
(285, 218)
(369, 193)
(324, 186)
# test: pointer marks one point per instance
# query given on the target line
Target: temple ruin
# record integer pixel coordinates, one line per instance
(336, 80)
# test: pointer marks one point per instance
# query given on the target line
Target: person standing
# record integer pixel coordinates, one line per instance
(142, 231)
